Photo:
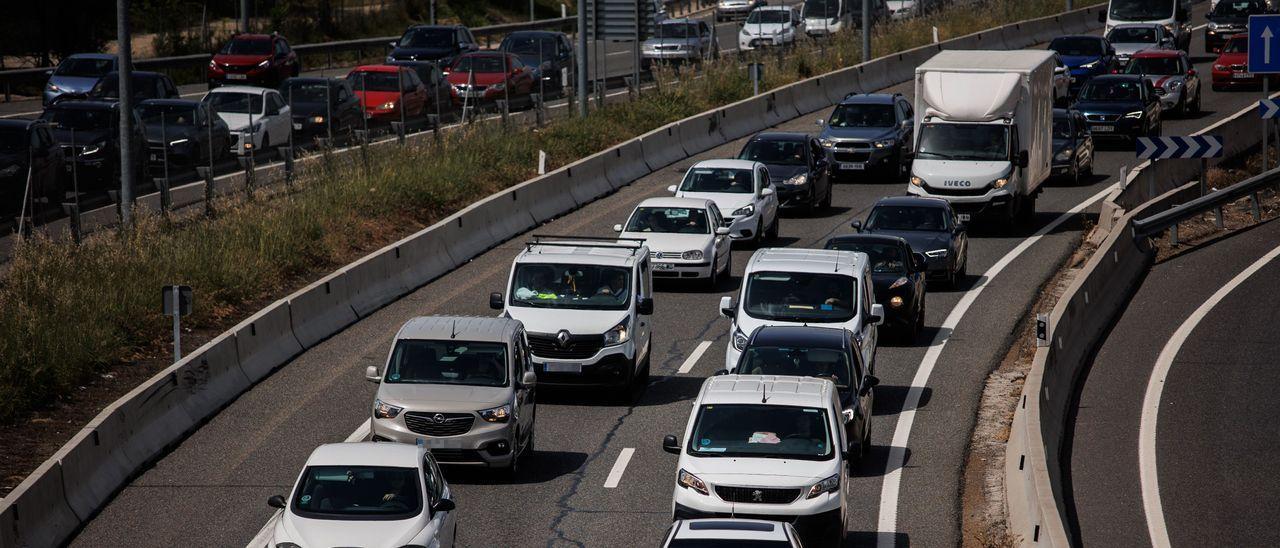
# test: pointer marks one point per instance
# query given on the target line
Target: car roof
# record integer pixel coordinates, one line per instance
(1089, 36)
(170, 102)
(773, 389)
(822, 261)
(84, 104)
(868, 238)
(730, 529)
(240, 89)
(1105, 77)
(379, 68)
(537, 33)
(92, 56)
(868, 99)
(667, 201)
(1157, 53)
(367, 453)
(469, 328)
(773, 8)
(677, 21)
(780, 136)
(727, 163)
(589, 252)
(800, 335)
(1136, 25)
(917, 201)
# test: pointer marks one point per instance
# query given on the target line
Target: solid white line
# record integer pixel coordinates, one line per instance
(888, 520)
(619, 467)
(1150, 480)
(693, 358)
(362, 432)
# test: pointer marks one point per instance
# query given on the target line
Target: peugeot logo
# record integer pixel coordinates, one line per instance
(757, 496)
(562, 338)
(439, 418)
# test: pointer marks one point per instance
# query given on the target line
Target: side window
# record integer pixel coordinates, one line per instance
(429, 478)
(857, 360)
(716, 218)
(865, 298)
(642, 285)
(763, 175)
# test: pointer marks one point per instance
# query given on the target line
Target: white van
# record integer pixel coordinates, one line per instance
(1174, 15)
(818, 287)
(587, 308)
(767, 447)
(826, 17)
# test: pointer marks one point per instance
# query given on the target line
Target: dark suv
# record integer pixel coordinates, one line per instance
(1120, 106)
(262, 60)
(441, 44)
(869, 131)
(89, 132)
(27, 146)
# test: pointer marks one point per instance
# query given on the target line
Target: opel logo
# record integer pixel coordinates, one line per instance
(439, 418)
(757, 496)
(562, 338)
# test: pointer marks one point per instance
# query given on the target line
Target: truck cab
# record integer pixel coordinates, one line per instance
(1174, 15)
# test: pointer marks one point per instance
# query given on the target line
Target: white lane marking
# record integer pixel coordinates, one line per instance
(888, 520)
(1198, 27)
(362, 432)
(619, 466)
(1150, 480)
(693, 358)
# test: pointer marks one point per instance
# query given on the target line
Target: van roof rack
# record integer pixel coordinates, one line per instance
(584, 241)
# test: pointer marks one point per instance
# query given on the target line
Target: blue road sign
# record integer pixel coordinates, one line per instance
(1269, 108)
(1264, 44)
(1195, 146)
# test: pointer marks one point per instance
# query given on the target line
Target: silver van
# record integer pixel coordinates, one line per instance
(464, 385)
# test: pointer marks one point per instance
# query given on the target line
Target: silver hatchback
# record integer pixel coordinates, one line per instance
(464, 385)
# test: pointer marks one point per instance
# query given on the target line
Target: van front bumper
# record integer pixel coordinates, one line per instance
(486, 444)
(611, 366)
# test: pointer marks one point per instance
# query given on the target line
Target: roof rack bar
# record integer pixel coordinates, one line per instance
(586, 241)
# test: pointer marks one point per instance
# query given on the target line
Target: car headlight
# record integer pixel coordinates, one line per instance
(502, 413)
(694, 255)
(899, 282)
(1174, 85)
(829, 485)
(936, 253)
(1213, 26)
(497, 87)
(53, 87)
(886, 143)
(389, 59)
(1063, 155)
(797, 180)
(317, 119)
(739, 340)
(387, 105)
(895, 301)
(1219, 67)
(827, 143)
(9, 171)
(91, 150)
(213, 64)
(690, 481)
(1169, 29)
(177, 142)
(999, 183)
(916, 181)
(264, 63)
(744, 211)
(1091, 64)
(618, 334)
(384, 410)
(1134, 115)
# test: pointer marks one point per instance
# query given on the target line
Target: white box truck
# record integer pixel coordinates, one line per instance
(983, 134)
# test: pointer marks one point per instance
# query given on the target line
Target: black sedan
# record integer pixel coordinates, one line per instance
(897, 275)
(89, 132)
(186, 129)
(143, 85)
(322, 107)
(798, 168)
(28, 152)
(1072, 146)
(1120, 106)
(930, 226)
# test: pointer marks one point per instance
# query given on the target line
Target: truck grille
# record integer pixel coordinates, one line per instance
(949, 191)
(439, 424)
(757, 495)
(576, 347)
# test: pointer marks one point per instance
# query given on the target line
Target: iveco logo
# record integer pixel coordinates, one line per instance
(957, 183)
(439, 418)
(757, 496)
(562, 338)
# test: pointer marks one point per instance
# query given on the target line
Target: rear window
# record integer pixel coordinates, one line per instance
(247, 47)
(1077, 46)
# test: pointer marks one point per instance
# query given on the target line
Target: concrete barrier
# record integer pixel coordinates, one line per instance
(661, 147)
(586, 179)
(265, 341)
(780, 106)
(913, 58)
(700, 133)
(425, 256)
(624, 164)
(874, 76)
(373, 281)
(36, 511)
(467, 235)
(744, 117)
(95, 463)
(545, 197)
(810, 95)
(321, 309)
(841, 83)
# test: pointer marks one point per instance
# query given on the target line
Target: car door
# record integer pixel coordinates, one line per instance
(443, 522)
(1083, 138)
(766, 202)
(818, 168)
(279, 118)
(906, 126)
(520, 363)
(722, 243)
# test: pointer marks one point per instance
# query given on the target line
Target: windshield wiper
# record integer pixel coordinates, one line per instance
(938, 154)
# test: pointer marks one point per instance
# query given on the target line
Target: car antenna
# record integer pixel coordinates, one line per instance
(454, 332)
(764, 395)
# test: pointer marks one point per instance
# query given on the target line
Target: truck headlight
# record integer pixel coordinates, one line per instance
(828, 485)
(797, 180)
(999, 183)
(744, 211)
(618, 334)
(1134, 115)
(1063, 155)
(690, 481)
(384, 410)
(886, 143)
(693, 255)
(739, 340)
(502, 413)
(916, 181)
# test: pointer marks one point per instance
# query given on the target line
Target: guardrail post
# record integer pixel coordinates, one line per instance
(1220, 221)
(286, 154)
(206, 173)
(166, 199)
(114, 196)
(1204, 176)
(1173, 235)
(434, 120)
(398, 127)
(503, 110)
(72, 210)
(1256, 206)
(539, 112)
(247, 165)
(363, 136)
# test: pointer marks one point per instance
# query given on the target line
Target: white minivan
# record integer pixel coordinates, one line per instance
(819, 287)
(1173, 15)
(767, 447)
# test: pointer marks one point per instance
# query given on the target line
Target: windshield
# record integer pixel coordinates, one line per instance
(169, 115)
(709, 179)
(144, 87)
(894, 217)
(800, 297)
(1061, 128)
(587, 287)
(767, 17)
(785, 153)
(77, 119)
(677, 30)
(1238, 9)
(13, 139)
(306, 92)
(826, 363)
(822, 8)
(976, 142)
(530, 47)
(727, 543)
(1111, 90)
(671, 220)
(88, 68)
(756, 430)
(247, 47)
(1079, 46)
(358, 492)
(427, 38)
(1132, 35)
(1160, 66)
(448, 362)
(479, 63)
(1142, 10)
(885, 258)
(862, 116)
(1236, 45)
(362, 80)
(232, 102)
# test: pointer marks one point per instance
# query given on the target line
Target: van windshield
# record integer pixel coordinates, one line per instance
(1132, 35)
(825, 363)
(759, 430)
(587, 287)
(800, 297)
(1142, 10)
(976, 142)
(447, 362)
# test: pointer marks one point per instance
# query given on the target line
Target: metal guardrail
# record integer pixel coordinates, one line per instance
(1170, 218)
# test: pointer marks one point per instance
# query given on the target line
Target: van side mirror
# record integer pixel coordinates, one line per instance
(877, 314)
(443, 505)
(644, 307)
(276, 501)
(529, 378)
(670, 445)
(856, 225)
(495, 300)
(371, 374)
(671, 188)
(918, 262)
(1023, 159)
(727, 307)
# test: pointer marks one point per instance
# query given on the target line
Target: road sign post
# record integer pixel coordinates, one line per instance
(176, 301)
(1264, 59)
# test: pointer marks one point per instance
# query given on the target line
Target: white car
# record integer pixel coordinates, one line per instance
(686, 237)
(731, 532)
(366, 494)
(901, 9)
(815, 287)
(741, 190)
(1131, 38)
(768, 447)
(257, 117)
(770, 26)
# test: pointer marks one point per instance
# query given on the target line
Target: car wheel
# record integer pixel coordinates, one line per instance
(512, 471)
(1075, 173)
(714, 279)
(772, 232)
(917, 327)
(962, 272)
(758, 237)
(1195, 105)
(1088, 168)
(826, 200)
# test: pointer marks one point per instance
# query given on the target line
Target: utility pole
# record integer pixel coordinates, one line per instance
(531, 15)
(866, 30)
(244, 16)
(582, 58)
(126, 112)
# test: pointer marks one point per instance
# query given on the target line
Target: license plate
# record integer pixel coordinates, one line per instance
(297, 127)
(552, 367)
(664, 266)
(236, 76)
(853, 165)
(155, 157)
(1242, 75)
(1102, 129)
(964, 217)
(473, 94)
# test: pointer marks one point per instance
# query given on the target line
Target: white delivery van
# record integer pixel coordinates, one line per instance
(984, 130)
(1174, 15)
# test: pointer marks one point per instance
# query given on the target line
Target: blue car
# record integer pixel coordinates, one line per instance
(77, 74)
(1085, 56)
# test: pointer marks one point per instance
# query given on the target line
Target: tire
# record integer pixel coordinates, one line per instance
(1195, 106)
(714, 279)
(826, 201)
(1075, 173)
(1027, 212)
(1182, 107)
(772, 231)
(758, 237)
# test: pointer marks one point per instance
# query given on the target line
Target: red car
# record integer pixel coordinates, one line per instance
(486, 76)
(1231, 69)
(379, 89)
(262, 60)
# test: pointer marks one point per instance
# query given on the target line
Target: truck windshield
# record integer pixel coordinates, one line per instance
(1132, 35)
(973, 142)
(822, 8)
(800, 297)
(1142, 10)
(762, 431)
(586, 287)
(447, 362)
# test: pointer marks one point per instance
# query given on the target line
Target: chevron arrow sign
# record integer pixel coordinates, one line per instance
(1194, 146)
(1270, 108)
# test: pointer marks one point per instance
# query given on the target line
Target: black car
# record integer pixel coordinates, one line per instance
(89, 132)
(440, 44)
(322, 107)
(439, 93)
(897, 275)
(930, 226)
(1072, 146)
(28, 151)
(824, 352)
(1228, 19)
(146, 85)
(551, 53)
(1120, 106)
(1085, 56)
(798, 168)
(192, 136)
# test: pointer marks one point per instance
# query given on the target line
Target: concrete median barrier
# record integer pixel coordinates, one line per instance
(265, 341)
(321, 309)
(372, 282)
(913, 58)
(95, 464)
(661, 147)
(841, 83)
(36, 513)
(426, 256)
(467, 235)
(874, 75)
(210, 377)
(780, 106)
(744, 118)
(810, 95)
(700, 133)
(624, 164)
(585, 180)
(545, 197)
